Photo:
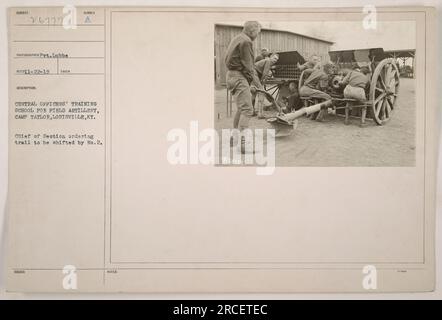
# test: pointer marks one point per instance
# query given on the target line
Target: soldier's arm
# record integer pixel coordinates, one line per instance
(247, 60)
(302, 67)
(346, 79)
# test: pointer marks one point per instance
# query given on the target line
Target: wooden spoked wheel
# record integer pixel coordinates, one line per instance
(384, 89)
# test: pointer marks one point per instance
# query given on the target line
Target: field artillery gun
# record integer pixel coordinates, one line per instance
(381, 92)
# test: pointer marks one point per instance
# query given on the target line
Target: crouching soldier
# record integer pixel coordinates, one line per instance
(288, 98)
(314, 86)
(356, 82)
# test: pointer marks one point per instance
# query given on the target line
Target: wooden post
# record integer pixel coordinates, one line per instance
(413, 64)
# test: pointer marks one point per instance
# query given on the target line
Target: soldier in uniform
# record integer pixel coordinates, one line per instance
(241, 74)
(263, 70)
(356, 82)
(264, 54)
(315, 84)
(314, 62)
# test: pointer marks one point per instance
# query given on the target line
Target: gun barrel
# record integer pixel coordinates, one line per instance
(308, 110)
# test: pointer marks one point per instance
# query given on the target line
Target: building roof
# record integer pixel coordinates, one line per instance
(404, 53)
(277, 30)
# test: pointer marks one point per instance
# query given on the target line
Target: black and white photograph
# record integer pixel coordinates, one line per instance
(336, 93)
(223, 151)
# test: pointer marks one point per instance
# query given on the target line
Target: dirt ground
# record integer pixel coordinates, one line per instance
(331, 143)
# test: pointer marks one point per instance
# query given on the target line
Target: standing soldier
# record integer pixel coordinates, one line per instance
(241, 74)
(263, 70)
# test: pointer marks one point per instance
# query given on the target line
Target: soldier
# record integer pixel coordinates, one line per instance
(241, 74)
(264, 54)
(263, 70)
(356, 81)
(263, 67)
(315, 84)
(314, 62)
(288, 98)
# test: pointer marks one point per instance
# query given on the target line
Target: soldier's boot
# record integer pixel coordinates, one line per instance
(321, 115)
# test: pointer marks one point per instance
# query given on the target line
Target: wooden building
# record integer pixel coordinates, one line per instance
(274, 40)
(406, 66)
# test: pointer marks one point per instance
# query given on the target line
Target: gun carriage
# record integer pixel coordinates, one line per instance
(381, 91)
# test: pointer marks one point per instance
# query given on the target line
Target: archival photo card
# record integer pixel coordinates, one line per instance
(358, 107)
(223, 150)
